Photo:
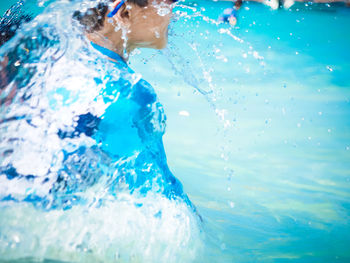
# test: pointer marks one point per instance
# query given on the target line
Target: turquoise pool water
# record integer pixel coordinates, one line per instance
(273, 186)
(258, 128)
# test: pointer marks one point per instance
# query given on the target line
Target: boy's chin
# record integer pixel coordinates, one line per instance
(161, 44)
(155, 45)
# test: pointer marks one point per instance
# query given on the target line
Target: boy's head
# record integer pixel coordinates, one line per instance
(144, 22)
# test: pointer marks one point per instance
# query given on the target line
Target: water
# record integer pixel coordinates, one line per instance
(257, 132)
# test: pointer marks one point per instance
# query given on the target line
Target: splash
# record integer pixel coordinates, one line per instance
(163, 8)
(191, 38)
(83, 170)
(151, 229)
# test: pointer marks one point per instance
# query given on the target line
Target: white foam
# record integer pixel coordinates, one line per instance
(160, 230)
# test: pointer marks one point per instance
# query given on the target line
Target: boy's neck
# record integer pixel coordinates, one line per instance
(110, 39)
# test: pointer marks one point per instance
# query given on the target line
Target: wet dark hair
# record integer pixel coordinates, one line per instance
(11, 21)
(93, 19)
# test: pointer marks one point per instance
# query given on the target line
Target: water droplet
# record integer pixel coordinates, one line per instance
(157, 35)
(184, 113)
(329, 68)
(16, 238)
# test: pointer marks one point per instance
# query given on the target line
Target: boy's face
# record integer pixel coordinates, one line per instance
(148, 26)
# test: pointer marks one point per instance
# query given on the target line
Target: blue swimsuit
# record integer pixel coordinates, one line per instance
(128, 150)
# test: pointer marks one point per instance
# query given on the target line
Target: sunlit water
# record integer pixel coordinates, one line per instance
(258, 132)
